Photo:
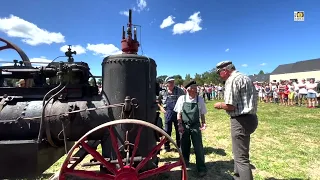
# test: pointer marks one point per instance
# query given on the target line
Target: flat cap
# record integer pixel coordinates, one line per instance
(190, 84)
(170, 78)
(223, 64)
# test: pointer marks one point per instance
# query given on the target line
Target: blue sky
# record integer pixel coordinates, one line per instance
(254, 34)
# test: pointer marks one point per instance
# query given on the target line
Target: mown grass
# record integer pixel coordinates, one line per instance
(286, 144)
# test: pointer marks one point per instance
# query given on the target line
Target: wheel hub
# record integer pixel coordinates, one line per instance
(127, 173)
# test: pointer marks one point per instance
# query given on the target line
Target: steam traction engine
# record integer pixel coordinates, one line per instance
(56, 108)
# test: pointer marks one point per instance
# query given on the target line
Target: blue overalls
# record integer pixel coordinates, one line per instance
(171, 117)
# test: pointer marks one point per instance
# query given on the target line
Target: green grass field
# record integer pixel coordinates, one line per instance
(286, 144)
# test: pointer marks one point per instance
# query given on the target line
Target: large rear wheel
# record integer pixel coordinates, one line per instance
(127, 166)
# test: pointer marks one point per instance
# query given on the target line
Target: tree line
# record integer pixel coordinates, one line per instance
(208, 77)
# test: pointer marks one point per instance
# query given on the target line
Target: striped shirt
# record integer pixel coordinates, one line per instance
(241, 93)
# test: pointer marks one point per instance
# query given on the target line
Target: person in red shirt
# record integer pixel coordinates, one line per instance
(282, 88)
(285, 95)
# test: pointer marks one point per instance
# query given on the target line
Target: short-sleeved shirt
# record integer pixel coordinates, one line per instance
(240, 93)
(311, 87)
(164, 95)
(302, 90)
(296, 86)
(201, 103)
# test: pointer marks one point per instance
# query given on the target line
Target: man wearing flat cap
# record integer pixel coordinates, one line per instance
(240, 103)
(190, 110)
(169, 98)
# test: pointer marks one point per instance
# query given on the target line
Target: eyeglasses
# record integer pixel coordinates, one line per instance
(220, 70)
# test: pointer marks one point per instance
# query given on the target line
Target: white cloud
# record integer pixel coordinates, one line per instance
(167, 22)
(7, 64)
(244, 65)
(227, 50)
(192, 25)
(152, 22)
(40, 61)
(78, 48)
(263, 64)
(125, 13)
(139, 6)
(103, 49)
(30, 33)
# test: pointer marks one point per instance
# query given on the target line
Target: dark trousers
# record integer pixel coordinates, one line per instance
(241, 129)
(172, 119)
(209, 96)
(196, 138)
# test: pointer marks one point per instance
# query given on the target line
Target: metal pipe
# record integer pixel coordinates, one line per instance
(135, 159)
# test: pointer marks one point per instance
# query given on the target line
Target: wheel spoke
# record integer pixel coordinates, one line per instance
(159, 170)
(115, 145)
(4, 47)
(89, 175)
(136, 145)
(153, 152)
(96, 155)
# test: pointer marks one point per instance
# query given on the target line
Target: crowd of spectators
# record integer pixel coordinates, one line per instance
(304, 93)
(290, 93)
(210, 91)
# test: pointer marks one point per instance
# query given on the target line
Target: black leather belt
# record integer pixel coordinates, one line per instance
(241, 115)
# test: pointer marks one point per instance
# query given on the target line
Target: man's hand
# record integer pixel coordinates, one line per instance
(162, 110)
(180, 128)
(218, 105)
(203, 126)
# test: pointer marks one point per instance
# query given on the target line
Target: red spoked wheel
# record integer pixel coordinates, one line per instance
(124, 168)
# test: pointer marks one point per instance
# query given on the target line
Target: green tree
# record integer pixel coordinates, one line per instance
(261, 72)
(187, 78)
(91, 82)
(178, 80)
(208, 77)
(198, 79)
(215, 78)
(99, 81)
(162, 78)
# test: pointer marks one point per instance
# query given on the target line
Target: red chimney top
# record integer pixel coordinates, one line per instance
(129, 45)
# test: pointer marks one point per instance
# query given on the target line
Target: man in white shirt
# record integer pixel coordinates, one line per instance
(190, 109)
(296, 91)
(302, 92)
(220, 91)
